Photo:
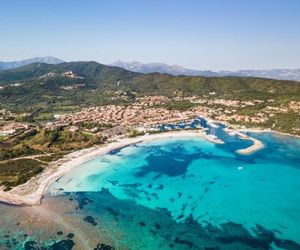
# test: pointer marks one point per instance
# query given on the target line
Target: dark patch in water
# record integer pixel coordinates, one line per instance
(112, 211)
(174, 163)
(131, 193)
(132, 185)
(155, 195)
(181, 216)
(114, 182)
(60, 245)
(91, 220)
(142, 224)
(101, 246)
(286, 244)
(152, 232)
(83, 201)
(59, 233)
(188, 243)
(30, 245)
(71, 235)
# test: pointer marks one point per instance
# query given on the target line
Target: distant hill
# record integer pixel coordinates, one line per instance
(40, 86)
(176, 70)
(90, 70)
(281, 74)
(17, 64)
(162, 68)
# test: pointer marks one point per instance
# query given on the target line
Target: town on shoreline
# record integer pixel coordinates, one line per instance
(38, 153)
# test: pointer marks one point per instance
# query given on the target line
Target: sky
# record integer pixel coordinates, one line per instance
(199, 34)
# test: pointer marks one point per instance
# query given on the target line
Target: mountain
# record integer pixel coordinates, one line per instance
(176, 70)
(90, 70)
(280, 74)
(17, 64)
(40, 86)
(162, 68)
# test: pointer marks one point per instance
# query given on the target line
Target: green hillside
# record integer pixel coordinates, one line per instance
(98, 84)
(91, 70)
(225, 87)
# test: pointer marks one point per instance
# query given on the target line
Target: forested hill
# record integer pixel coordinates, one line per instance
(44, 86)
(225, 87)
(91, 70)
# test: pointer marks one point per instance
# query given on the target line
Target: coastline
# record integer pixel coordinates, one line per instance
(31, 192)
(266, 130)
(257, 145)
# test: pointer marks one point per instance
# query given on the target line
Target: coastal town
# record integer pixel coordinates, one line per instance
(148, 111)
(42, 144)
(150, 125)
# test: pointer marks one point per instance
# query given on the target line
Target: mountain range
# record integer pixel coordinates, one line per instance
(17, 64)
(162, 68)
(135, 66)
(280, 74)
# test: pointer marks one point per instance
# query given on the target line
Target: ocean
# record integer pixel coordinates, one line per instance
(170, 193)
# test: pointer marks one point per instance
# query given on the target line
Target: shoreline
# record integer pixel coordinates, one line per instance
(31, 192)
(257, 145)
(267, 130)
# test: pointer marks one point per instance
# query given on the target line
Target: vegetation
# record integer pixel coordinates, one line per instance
(134, 133)
(52, 157)
(14, 173)
(180, 105)
(56, 142)
(60, 139)
(17, 151)
(43, 96)
(30, 90)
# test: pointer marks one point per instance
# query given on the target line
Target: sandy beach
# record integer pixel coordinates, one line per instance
(257, 145)
(31, 193)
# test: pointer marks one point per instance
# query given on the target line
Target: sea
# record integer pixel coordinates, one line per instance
(170, 193)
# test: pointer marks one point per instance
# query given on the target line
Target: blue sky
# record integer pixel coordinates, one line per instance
(200, 34)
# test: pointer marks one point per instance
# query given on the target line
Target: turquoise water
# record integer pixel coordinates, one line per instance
(172, 193)
(194, 178)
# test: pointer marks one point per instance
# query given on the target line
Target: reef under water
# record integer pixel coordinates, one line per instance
(171, 193)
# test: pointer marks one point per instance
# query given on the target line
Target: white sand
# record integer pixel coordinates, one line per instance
(31, 192)
(257, 145)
